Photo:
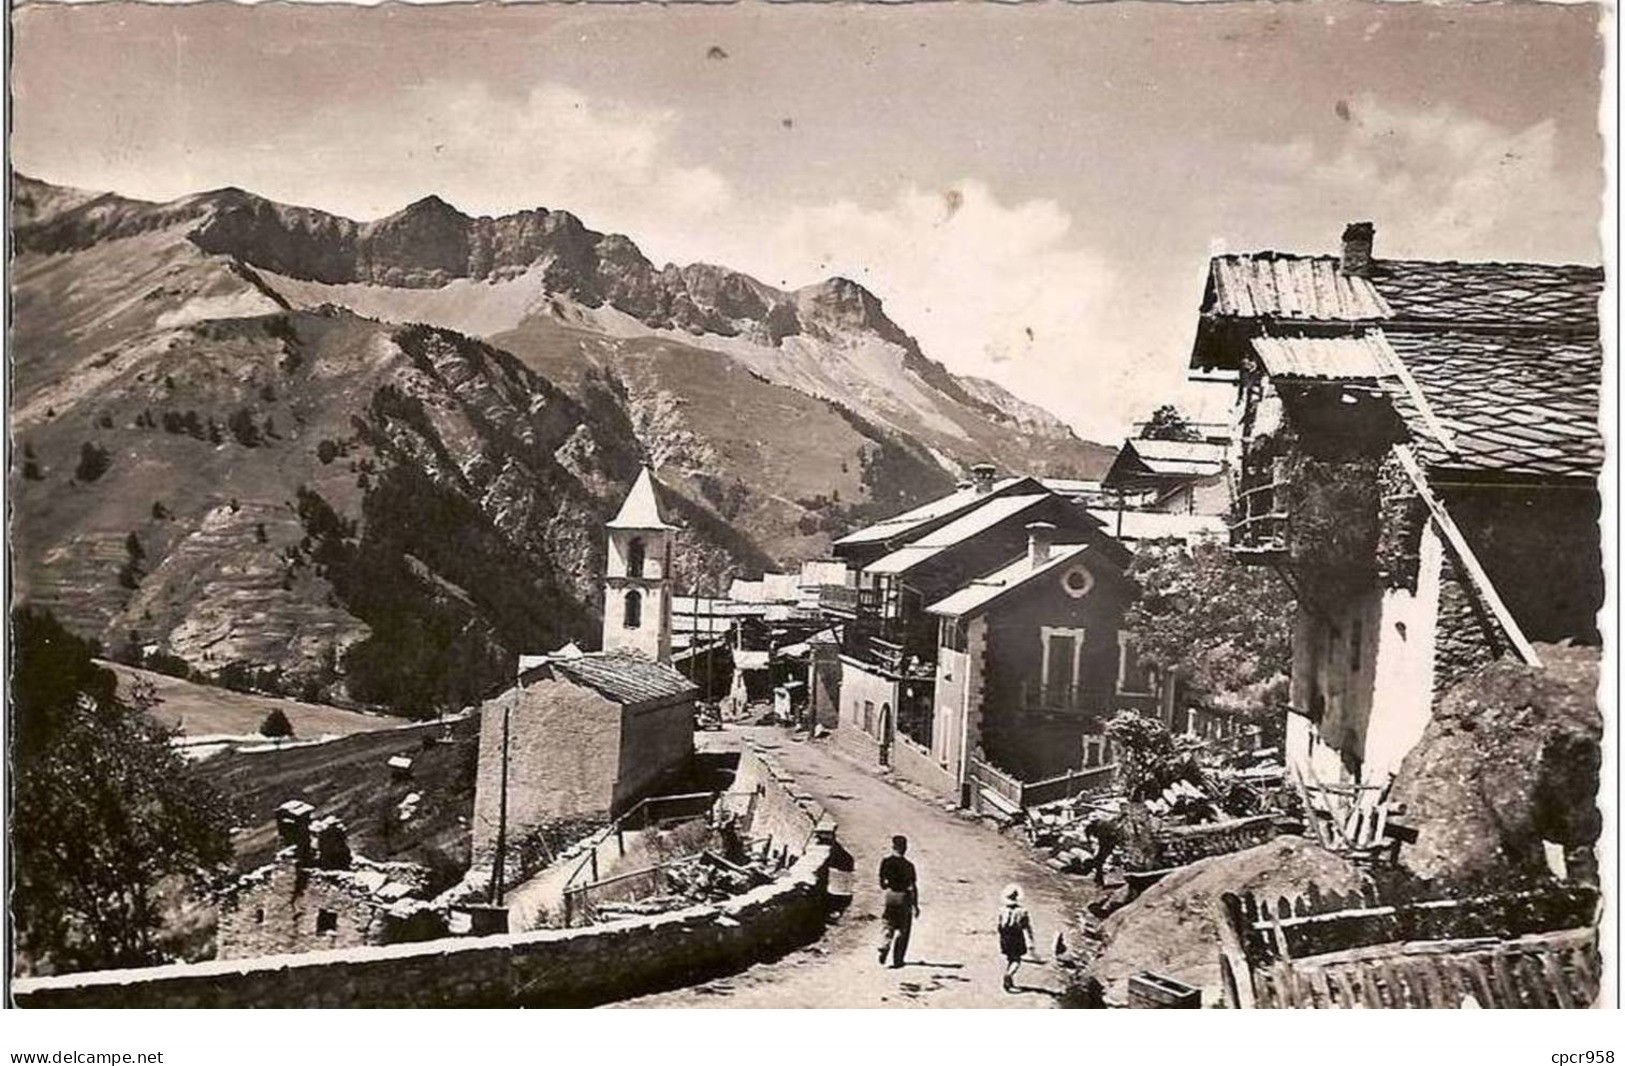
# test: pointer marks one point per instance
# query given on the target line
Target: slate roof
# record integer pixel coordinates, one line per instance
(1532, 296)
(954, 503)
(1300, 288)
(624, 676)
(980, 594)
(1513, 404)
(978, 521)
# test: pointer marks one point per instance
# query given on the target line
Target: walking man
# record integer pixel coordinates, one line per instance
(898, 881)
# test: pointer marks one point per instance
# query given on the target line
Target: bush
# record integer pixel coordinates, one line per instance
(276, 725)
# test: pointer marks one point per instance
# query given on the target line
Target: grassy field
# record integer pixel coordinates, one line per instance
(203, 710)
(349, 779)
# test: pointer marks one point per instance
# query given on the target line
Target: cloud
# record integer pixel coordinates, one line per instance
(491, 154)
(1437, 181)
(1000, 290)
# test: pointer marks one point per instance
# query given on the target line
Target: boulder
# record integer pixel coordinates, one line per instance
(1511, 758)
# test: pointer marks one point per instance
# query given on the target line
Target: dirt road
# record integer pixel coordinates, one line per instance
(954, 959)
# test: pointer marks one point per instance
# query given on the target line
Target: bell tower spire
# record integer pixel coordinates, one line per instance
(637, 597)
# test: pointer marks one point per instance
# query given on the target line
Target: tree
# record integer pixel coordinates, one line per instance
(276, 725)
(1224, 627)
(94, 461)
(103, 811)
(1149, 758)
(243, 428)
(31, 467)
(1167, 423)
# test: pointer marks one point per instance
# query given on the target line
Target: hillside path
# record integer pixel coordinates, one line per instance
(954, 958)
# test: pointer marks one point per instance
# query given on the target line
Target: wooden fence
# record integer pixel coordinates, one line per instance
(1021, 794)
(1531, 947)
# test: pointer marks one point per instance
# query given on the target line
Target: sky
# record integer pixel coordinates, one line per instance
(1033, 191)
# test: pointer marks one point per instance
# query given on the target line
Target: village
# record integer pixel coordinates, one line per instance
(1364, 773)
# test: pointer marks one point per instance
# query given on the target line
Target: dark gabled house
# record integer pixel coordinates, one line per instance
(1418, 458)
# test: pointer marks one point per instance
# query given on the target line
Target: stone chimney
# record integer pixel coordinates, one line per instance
(293, 829)
(1040, 535)
(332, 844)
(981, 476)
(1358, 238)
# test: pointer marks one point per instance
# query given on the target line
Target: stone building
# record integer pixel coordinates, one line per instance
(316, 895)
(1418, 456)
(580, 738)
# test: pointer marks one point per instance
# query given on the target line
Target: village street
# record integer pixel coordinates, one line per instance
(953, 958)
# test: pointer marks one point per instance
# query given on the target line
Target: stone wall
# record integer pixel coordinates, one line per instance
(284, 908)
(563, 758)
(783, 813)
(1467, 635)
(915, 763)
(654, 742)
(859, 686)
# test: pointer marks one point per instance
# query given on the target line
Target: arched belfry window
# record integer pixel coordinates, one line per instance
(633, 614)
(634, 557)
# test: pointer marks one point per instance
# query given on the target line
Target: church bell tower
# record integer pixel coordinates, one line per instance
(637, 595)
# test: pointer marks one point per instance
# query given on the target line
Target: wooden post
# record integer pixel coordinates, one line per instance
(499, 875)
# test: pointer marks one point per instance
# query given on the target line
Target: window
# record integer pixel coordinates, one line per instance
(1058, 676)
(953, 634)
(869, 717)
(1077, 582)
(327, 921)
(634, 557)
(1133, 676)
(632, 616)
(1356, 640)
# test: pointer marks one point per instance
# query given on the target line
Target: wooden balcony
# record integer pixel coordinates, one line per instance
(1259, 533)
(1039, 698)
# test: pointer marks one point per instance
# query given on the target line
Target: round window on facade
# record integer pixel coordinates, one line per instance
(1077, 582)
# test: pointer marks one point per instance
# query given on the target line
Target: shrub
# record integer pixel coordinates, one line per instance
(276, 725)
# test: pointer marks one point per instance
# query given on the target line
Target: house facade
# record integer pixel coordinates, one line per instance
(1033, 659)
(1418, 458)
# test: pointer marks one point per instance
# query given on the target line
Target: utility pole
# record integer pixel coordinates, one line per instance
(499, 874)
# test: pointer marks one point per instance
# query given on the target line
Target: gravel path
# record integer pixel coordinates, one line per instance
(954, 959)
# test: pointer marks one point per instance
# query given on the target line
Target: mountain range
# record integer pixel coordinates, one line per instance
(370, 462)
